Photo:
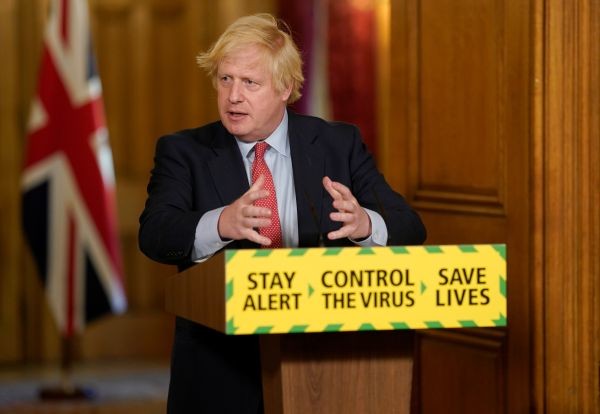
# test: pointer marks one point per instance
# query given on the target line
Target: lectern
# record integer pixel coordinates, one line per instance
(335, 324)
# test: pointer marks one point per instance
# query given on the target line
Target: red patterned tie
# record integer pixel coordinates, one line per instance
(259, 167)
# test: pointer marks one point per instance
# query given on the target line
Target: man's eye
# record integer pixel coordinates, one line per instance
(225, 79)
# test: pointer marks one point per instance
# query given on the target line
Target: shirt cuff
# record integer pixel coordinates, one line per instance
(207, 241)
(379, 233)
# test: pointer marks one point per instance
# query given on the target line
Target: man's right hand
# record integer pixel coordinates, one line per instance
(240, 219)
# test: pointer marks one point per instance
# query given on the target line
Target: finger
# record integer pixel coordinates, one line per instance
(252, 196)
(342, 189)
(255, 210)
(257, 185)
(252, 210)
(341, 233)
(255, 223)
(344, 205)
(256, 190)
(256, 237)
(264, 241)
(342, 217)
(328, 184)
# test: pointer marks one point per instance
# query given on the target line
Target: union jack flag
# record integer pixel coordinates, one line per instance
(68, 183)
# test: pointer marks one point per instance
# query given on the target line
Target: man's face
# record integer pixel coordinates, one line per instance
(249, 106)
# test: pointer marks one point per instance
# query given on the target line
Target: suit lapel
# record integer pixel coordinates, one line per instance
(227, 167)
(308, 163)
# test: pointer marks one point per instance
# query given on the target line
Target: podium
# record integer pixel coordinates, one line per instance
(364, 363)
(341, 372)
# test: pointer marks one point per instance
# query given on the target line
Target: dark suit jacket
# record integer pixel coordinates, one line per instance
(201, 169)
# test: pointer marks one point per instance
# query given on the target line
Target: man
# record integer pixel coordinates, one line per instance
(219, 186)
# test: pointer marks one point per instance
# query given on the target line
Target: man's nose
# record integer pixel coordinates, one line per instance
(235, 92)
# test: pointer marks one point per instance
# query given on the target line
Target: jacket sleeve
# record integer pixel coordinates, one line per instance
(168, 221)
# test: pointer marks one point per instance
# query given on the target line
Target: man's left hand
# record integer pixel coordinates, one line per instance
(356, 223)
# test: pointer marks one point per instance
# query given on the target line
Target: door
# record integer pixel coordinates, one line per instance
(458, 147)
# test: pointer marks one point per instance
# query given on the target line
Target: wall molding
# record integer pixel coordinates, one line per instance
(566, 175)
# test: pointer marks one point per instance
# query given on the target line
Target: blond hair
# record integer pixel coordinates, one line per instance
(271, 35)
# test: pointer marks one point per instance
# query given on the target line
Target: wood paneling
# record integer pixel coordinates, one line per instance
(567, 183)
(372, 370)
(498, 114)
(10, 157)
(461, 93)
(457, 358)
(461, 84)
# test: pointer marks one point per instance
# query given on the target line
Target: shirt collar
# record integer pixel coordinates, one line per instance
(278, 140)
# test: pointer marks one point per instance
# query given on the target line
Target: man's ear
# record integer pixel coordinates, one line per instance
(285, 94)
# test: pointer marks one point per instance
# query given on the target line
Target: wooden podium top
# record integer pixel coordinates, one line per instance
(198, 293)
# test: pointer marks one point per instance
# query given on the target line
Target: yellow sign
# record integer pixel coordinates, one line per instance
(354, 288)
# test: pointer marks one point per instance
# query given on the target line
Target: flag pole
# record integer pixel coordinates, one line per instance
(66, 388)
(66, 363)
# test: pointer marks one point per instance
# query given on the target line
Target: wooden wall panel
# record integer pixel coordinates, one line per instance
(567, 227)
(498, 110)
(459, 162)
(460, 80)
(32, 311)
(10, 248)
(168, 62)
(476, 359)
(115, 55)
(461, 83)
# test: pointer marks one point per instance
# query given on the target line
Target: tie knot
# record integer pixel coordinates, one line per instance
(259, 150)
